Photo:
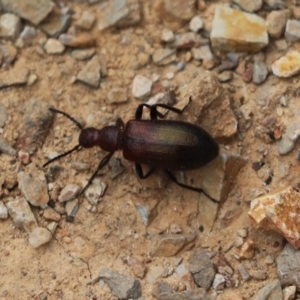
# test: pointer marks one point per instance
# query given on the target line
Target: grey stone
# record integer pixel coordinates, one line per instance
(84, 40)
(146, 209)
(163, 56)
(116, 167)
(56, 24)
(86, 21)
(288, 140)
(35, 126)
(3, 115)
(285, 145)
(202, 268)
(197, 294)
(83, 54)
(3, 211)
(271, 290)
(10, 26)
(122, 286)
(276, 22)
(288, 266)
(164, 287)
(34, 190)
(8, 53)
(30, 10)
(69, 192)
(292, 30)
(6, 148)
(91, 73)
(28, 33)
(243, 272)
(170, 244)
(277, 4)
(120, 13)
(260, 72)
(20, 212)
(72, 207)
(249, 5)
(188, 40)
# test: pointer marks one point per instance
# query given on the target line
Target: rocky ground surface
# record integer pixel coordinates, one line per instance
(126, 238)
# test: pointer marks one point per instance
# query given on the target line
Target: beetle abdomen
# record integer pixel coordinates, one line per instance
(171, 145)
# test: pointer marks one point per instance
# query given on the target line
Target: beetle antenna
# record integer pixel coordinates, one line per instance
(61, 155)
(67, 116)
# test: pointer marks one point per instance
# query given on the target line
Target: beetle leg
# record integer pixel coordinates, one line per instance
(103, 162)
(120, 123)
(61, 155)
(188, 187)
(139, 171)
(153, 112)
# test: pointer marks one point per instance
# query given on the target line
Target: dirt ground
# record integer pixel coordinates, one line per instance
(63, 268)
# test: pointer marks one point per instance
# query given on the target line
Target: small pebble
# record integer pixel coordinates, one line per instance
(259, 275)
(260, 72)
(219, 282)
(141, 86)
(269, 259)
(243, 272)
(175, 228)
(238, 242)
(50, 214)
(10, 26)
(24, 157)
(95, 191)
(69, 192)
(292, 30)
(52, 227)
(117, 96)
(242, 232)
(39, 236)
(86, 20)
(170, 75)
(32, 79)
(3, 211)
(289, 292)
(116, 167)
(196, 24)
(54, 46)
(83, 54)
(180, 65)
(167, 35)
(90, 74)
(225, 76)
(72, 208)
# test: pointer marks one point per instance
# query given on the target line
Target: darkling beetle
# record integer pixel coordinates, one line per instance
(160, 144)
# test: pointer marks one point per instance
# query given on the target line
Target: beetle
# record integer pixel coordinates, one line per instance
(161, 144)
